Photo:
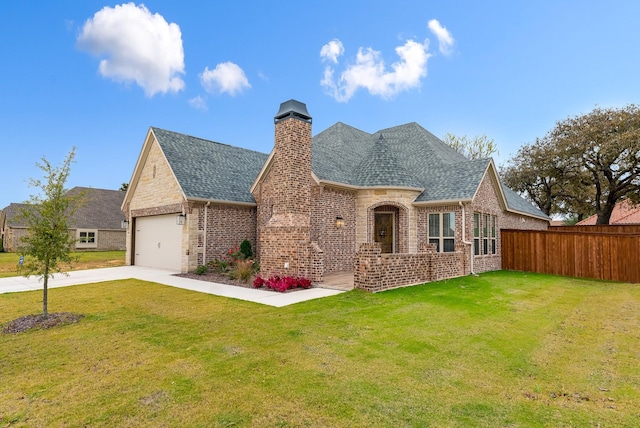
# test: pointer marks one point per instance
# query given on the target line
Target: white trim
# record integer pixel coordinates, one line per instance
(352, 187)
(441, 202)
(222, 202)
(263, 171)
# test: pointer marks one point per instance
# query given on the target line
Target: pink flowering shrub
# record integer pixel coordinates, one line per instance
(282, 284)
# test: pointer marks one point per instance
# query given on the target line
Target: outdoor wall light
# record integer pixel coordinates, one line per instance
(180, 218)
(339, 222)
(124, 224)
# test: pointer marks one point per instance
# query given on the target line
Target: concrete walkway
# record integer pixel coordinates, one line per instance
(272, 298)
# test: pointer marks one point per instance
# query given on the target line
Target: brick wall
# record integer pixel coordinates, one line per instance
(13, 238)
(375, 272)
(112, 240)
(284, 201)
(338, 244)
(226, 226)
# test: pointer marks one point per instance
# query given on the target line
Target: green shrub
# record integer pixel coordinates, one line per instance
(201, 270)
(245, 249)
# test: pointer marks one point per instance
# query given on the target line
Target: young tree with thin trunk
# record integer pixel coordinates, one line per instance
(48, 245)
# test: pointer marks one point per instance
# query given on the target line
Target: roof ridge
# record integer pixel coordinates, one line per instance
(154, 128)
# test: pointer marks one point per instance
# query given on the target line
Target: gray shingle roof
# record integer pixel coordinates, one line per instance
(209, 170)
(405, 156)
(518, 203)
(12, 217)
(100, 209)
(402, 156)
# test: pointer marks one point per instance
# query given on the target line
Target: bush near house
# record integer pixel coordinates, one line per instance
(282, 284)
(237, 263)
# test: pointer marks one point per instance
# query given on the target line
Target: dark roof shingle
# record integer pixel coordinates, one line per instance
(209, 170)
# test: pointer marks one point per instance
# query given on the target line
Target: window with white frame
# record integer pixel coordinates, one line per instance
(442, 231)
(86, 238)
(476, 234)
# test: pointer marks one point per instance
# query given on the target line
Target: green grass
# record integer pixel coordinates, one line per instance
(87, 260)
(501, 349)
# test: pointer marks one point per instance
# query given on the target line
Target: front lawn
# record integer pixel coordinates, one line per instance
(87, 260)
(501, 349)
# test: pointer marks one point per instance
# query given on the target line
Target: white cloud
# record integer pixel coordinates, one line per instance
(226, 77)
(139, 46)
(332, 50)
(198, 103)
(369, 71)
(445, 39)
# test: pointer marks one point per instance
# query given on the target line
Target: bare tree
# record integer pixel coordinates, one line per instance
(478, 147)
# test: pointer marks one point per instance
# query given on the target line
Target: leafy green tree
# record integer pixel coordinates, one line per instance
(124, 187)
(478, 147)
(541, 173)
(48, 245)
(584, 165)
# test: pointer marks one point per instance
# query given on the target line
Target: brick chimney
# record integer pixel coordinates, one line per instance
(291, 166)
(285, 197)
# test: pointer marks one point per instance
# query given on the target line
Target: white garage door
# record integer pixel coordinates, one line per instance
(158, 242)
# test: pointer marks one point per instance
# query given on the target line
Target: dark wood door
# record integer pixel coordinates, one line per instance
(384, 231)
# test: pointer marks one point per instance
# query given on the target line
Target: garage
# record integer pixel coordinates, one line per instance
(158, 242)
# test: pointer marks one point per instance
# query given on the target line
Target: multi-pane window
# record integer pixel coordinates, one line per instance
(476, 234)
(485, 234)
(442, 227)
(86, 239)
(493, 234)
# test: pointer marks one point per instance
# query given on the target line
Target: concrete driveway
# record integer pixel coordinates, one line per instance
(166, 277)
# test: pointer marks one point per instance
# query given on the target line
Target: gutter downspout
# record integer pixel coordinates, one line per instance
(464, 241)
(204, 241)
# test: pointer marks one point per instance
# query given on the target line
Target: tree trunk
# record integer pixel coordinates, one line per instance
(604, 216)
(45, 297)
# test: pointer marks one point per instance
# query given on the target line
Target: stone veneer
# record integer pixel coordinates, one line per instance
(156, 193)
(368, 200)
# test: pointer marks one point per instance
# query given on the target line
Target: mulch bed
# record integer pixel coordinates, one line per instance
(39, 322)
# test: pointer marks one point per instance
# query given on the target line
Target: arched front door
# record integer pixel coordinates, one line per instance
(384, 230)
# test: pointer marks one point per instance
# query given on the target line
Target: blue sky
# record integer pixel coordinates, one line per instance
(96, 75)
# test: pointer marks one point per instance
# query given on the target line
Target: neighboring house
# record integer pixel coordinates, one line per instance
(96, 225)
(320, 205)
(624, 212)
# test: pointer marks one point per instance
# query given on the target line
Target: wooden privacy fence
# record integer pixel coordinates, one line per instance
(598, 254)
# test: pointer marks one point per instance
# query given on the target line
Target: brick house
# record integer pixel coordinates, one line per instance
(398, 206)
(97, 224)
